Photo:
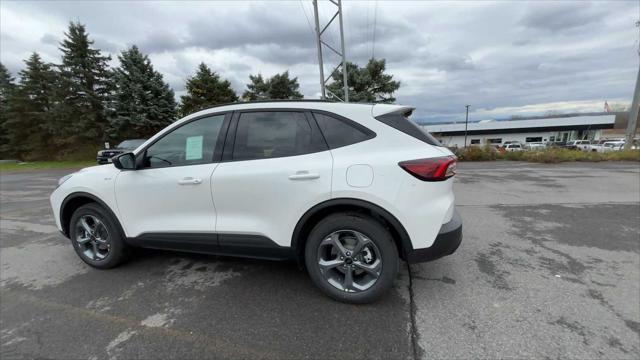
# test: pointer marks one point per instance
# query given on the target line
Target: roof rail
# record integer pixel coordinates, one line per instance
(264, 101)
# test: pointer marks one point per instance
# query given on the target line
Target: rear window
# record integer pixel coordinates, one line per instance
(401, 122)
(340, 132)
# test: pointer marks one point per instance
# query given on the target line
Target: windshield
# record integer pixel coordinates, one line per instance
(131, 144)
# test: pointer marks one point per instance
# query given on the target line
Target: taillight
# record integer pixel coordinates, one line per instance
(433, 169)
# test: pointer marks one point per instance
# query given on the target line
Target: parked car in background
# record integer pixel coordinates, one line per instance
(535, 146)
(348, 190)
(611, 146)
(578, 145)
(513, 147)
(596, 144)
(557, 144)
(104, 156)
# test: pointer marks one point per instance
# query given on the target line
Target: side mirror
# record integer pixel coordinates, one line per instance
(126, 161)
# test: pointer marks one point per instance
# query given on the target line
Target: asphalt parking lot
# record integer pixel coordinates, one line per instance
(549, 268)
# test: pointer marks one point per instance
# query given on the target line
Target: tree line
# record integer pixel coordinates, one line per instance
(67, 110)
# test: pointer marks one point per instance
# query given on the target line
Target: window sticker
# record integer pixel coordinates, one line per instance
(194, 148)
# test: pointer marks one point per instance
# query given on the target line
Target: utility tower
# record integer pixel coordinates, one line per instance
(320, 43)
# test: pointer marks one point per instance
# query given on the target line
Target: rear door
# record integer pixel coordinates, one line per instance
(275, 167)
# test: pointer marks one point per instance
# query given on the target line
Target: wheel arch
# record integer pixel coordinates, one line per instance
(75, 200)
(315, 214)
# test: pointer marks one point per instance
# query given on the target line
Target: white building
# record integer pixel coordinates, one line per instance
(493, 132)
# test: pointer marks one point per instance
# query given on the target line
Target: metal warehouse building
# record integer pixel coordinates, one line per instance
(556, 129)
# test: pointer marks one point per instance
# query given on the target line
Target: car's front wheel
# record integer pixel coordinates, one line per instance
(96, 237)
(351, 257)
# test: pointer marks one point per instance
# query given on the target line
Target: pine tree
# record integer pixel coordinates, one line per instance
(85, 89)
(143, 102)
(205, 89)
(257, 89)
(30, 125)
(369, 84)
(6, 91)
(279, 86)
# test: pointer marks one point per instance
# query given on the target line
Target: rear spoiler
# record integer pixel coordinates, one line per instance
(387, 109)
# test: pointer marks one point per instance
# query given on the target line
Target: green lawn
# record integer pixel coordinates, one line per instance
(43, 165)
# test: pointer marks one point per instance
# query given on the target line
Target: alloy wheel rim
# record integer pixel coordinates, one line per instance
(349, 261)
(93, 238)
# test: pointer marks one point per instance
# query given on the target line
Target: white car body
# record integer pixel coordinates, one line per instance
(583, 145)
(535, 146)
(513, 147)
(254, 200)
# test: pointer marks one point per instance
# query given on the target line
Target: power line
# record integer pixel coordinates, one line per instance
(307, 17)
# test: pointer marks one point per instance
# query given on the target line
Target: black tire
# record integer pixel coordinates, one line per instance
(117, 250)
(371, 229)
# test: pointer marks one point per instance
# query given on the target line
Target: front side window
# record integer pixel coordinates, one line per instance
(190, 144)
(272, 134)
(339, 133)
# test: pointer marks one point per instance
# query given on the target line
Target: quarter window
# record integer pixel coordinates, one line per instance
(339, 133)
(190, 144)
(272, 134)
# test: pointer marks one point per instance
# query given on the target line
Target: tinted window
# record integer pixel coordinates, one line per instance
(189, 144)
(264, 135)
(402, 123)
(339, 133)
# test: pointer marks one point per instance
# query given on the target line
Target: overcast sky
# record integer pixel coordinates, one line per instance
(504, 58)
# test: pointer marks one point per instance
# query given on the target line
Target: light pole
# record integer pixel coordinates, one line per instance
(466, 123)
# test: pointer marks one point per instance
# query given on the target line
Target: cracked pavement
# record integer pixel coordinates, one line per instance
(549, 267)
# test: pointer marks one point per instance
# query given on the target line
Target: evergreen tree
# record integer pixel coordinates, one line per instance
(369, 84)
(143, 102)
(30, 126)
(279, 86)
(257, 89)
(85, 89)
(6, 91)
(205, 89)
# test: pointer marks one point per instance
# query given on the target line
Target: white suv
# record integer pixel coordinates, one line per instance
(347, 190)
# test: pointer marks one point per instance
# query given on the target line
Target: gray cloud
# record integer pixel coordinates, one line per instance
(49, 39)
(562, 16)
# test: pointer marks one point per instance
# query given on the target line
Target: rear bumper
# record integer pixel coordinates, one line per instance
(446, 243)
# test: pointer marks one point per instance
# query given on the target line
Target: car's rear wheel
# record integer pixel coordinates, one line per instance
(96, 237)
(351, 257)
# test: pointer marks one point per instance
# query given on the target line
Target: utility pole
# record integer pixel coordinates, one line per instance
(633, 115)
(466, 123)
(633, 111)
(320, 42)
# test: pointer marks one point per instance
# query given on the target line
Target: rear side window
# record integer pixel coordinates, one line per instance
(271, 134)
(341, 132)
(402, 123)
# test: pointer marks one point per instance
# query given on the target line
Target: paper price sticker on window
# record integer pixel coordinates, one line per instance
(194, 148)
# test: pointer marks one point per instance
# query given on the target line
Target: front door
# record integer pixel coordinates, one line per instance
(170, 192)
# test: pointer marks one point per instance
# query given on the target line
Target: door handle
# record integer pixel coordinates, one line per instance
(189, 181)
(304, 175)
